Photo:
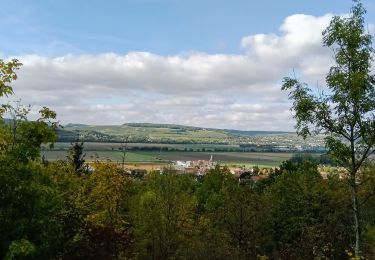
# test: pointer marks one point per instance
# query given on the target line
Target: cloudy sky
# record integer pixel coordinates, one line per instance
(209, 63)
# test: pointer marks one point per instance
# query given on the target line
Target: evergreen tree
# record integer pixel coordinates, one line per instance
(76, 157)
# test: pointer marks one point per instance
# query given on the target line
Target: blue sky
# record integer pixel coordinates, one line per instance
(159, 26)
(193, 46)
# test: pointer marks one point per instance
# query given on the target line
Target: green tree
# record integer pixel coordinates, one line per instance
(238, 212)
(310, 217)
(76, 157)
(163, 216)
(124, 148)
(27, 196)
(23, 138)
(104, 198)
(346, 112)
(7, 75)
(18, 136)
(366, 195)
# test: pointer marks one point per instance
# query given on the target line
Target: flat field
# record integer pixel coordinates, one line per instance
(111, 152)
(100, 146)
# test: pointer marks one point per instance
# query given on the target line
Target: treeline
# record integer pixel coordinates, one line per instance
(69, 210)
(216, 149)
(208, 149)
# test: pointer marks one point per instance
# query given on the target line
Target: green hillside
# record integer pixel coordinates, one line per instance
(156, 133)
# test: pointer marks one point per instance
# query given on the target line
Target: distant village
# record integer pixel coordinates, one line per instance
(198, 168)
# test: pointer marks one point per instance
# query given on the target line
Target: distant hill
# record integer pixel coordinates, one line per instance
(157, 133)
(171, 126)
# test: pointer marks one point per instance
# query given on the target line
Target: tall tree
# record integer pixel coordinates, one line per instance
(163, 216)
(76, 157)
(124, 148)
(346, 112)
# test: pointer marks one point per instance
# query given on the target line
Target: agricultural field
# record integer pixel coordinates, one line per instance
(143, 133)
(100, 146)
(156, 134)
(112, 152)
(231, 158)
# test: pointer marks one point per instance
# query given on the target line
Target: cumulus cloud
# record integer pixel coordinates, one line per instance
(209, 90)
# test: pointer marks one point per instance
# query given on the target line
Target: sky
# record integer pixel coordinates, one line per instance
(208, 63)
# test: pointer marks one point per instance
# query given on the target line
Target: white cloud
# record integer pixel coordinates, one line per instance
(210, 90)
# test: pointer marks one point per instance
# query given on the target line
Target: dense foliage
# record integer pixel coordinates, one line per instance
(53, 210)
(48, 211)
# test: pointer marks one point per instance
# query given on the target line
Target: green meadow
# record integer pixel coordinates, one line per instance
(111, 152)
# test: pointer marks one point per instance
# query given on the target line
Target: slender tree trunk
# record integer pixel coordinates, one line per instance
(357, 224)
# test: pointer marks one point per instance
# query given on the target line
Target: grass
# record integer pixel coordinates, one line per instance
(265, 159)
(100, 146)
(110, 152)
(114, 156)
